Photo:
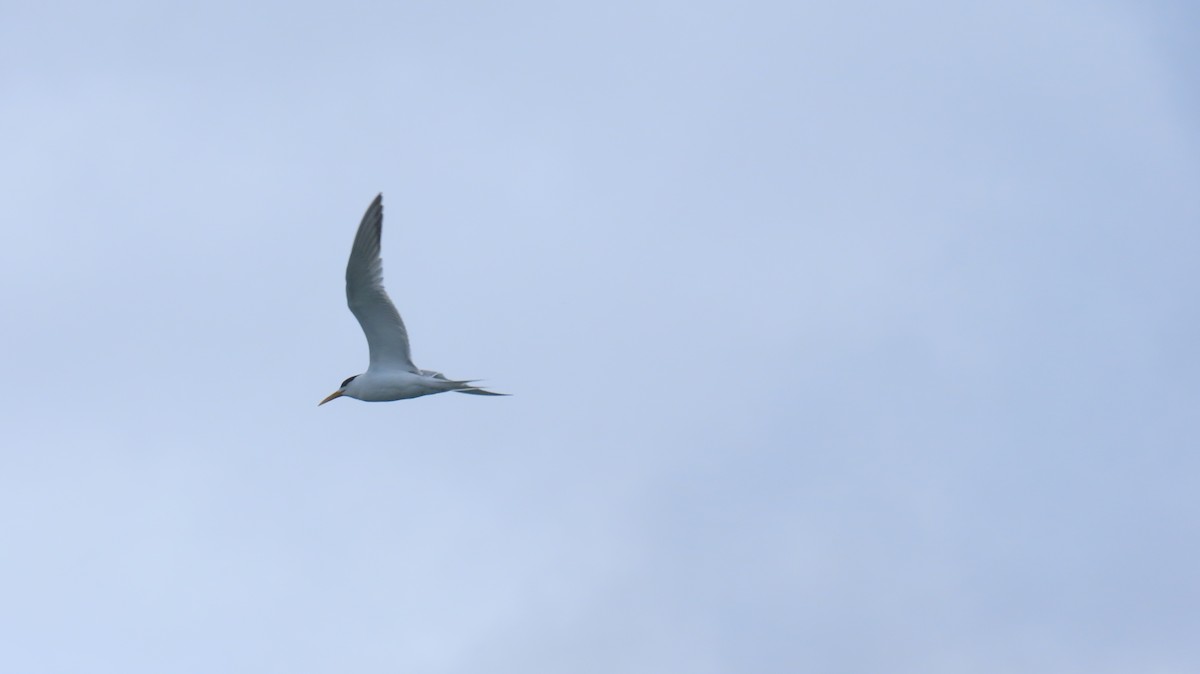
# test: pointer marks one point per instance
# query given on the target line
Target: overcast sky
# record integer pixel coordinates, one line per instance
(843, 337)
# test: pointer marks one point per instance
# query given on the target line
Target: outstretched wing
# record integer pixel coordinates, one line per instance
(386, 336)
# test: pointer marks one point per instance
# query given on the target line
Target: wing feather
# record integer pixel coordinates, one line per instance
(369, 302)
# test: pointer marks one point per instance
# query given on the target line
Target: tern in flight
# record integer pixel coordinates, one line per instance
(391, 374)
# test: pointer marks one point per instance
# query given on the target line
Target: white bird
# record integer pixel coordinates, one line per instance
(391, 374)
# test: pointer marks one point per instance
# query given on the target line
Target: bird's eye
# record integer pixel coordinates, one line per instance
(345, 383)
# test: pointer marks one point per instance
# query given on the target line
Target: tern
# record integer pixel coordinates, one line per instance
(391, 374)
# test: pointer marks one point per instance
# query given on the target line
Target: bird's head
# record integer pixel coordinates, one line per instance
(338, 393)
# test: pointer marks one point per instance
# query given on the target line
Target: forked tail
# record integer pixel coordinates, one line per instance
(476, 391)
(464, 386)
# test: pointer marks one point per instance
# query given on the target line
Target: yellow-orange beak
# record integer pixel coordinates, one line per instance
(335, 394)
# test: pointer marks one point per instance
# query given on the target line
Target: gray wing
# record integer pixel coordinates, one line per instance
(386, 336)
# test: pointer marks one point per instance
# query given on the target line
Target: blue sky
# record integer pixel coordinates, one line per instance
(847, 338)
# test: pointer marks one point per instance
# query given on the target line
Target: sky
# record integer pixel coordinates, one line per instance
(842, 337)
